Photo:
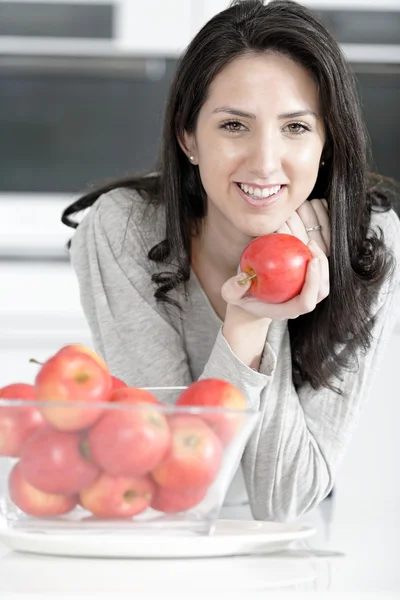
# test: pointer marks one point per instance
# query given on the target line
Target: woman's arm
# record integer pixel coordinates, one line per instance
(292, 459)
(246, 335)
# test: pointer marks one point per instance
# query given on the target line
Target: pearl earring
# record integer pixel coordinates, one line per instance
(322, 163)
(191, 158)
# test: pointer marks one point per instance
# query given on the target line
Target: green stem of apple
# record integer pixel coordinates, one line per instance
(84, 449)
(247, 279)
(36, 362)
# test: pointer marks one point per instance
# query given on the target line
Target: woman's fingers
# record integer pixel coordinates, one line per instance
(232, 291)
(317, 252)
(310, 217)
(296, 227)
(324, 279)
(321, 210)
(312, 213)
(284, 229)
(307, 300)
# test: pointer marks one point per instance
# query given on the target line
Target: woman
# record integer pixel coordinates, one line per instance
(262, 133)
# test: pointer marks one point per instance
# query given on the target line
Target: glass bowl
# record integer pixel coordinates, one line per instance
(118, 466)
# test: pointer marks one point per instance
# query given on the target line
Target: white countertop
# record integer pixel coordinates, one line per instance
(360, 524)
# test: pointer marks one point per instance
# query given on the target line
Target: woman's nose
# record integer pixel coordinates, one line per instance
(265, 157)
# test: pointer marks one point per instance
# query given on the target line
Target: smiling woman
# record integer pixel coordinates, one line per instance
(258, 168)
(262, 133)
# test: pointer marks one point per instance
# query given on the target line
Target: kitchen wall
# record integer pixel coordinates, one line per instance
(39, 300)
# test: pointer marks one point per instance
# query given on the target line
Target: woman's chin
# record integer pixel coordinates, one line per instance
(258, 230)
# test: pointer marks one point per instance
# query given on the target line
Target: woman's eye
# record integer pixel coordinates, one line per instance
(232, 126)
(298, 128)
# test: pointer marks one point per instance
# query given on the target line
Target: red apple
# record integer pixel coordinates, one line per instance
(216, 393)
(118, 497)
(57, 462)
(80, 348)
(279, 262)
(18, 391)
(130, 442)
(194, 457)
(172, 501)
(133, 394)
(72, 377)
(117, 384)
(17, 423)
(35, 502)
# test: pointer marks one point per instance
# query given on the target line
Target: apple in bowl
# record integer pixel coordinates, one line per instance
(194, 456)
(73, 375)
(217, 394)
(17, 423)
(57, 462)
(35, 502)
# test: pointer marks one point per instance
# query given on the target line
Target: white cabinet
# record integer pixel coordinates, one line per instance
(211, 8)
(161, 27)
(39, 313)
(158, 27)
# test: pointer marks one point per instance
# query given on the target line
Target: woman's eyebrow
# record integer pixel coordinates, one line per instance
(235, 111)
(298, 113)
(247, 115)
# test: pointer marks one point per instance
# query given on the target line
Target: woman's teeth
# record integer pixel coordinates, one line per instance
(259, 193)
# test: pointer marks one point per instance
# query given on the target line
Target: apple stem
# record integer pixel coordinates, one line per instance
(84, 449)
(247, 279)
(36, 362)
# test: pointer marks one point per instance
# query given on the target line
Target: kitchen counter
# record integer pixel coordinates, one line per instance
(354, 553)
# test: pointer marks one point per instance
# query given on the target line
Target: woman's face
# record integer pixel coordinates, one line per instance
(260, 129)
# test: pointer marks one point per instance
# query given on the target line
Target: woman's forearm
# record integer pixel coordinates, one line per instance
(245, 334)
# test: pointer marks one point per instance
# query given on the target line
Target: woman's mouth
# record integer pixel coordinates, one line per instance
(260, 197)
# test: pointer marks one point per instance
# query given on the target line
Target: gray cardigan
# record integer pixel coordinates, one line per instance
(291, 461)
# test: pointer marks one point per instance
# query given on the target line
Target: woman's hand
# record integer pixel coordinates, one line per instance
(312, 213)
(316, 285)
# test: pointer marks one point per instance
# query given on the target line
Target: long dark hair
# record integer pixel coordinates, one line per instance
(359, 260)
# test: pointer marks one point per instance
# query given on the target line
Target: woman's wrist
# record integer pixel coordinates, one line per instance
(246, 334)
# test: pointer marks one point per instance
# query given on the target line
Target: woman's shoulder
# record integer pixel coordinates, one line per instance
(130, 221)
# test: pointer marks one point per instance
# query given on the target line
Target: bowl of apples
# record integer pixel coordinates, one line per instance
(82, 451)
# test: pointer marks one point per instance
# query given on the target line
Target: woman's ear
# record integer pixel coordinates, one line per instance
(327, 149)
(327, 153)
(188, 145)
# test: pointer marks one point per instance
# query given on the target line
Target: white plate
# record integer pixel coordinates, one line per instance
(231, 537)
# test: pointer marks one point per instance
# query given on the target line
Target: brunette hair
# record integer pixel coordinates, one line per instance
(324, 341)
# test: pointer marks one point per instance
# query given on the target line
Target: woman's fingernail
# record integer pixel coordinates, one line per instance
(315, 263)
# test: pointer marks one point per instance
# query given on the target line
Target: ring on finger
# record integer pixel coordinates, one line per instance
(316, 228)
